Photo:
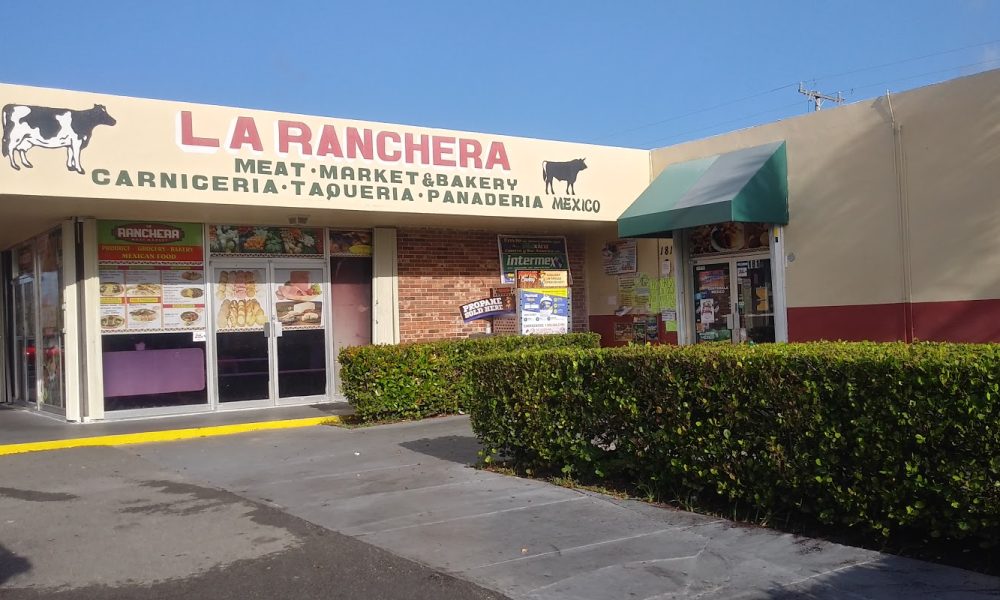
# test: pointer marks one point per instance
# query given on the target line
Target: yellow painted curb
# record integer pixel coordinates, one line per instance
(168, 435)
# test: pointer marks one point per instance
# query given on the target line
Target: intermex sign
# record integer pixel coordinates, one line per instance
(144, 149)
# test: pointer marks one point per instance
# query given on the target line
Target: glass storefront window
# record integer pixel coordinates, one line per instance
(351, 299)
(152, 314)
(151, 370)
(50, 288)
(724, 238)
(25, 334)
(36, 323)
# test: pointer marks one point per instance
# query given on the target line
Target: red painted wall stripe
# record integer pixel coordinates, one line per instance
(605, 325)
(975, 321)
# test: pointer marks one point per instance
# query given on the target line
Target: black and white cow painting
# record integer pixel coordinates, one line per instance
(27, 126)
(563, 171)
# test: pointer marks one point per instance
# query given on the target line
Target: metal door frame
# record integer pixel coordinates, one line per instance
(269, 265)
(731, 260)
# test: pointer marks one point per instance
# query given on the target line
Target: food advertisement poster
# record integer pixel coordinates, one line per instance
(154, 298)
(530, 253)
(542, 311)
(619, 256)
(146, 242)
(350, 242)
(624, 332)
(235, 240)
(240, 297)
(729, 237)
(298, 298)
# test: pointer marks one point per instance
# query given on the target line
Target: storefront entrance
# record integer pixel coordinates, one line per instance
(270, 329)
(733, 299)
(35, 323)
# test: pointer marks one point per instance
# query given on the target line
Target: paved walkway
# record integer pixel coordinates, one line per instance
(407, 489)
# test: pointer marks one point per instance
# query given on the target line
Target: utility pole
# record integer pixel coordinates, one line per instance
(818, 98)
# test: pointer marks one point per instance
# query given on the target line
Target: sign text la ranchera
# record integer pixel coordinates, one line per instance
(365, 143)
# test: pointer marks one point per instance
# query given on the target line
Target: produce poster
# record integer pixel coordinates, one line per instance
(233, 240)
(527, 253)
(542, 311)
(144, 242)
(151, 298)
(298, 298)
(619, 256)
(350, 242)
(240, 298)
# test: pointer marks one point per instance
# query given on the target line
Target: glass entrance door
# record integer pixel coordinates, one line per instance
(270, 332)
(25, 340)
(713, 304)
(755, 300)
(733, 300)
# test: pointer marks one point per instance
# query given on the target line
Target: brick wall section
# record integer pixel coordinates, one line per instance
(440, 269)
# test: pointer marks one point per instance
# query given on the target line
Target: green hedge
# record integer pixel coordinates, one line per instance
(409, 381)
(884, 438)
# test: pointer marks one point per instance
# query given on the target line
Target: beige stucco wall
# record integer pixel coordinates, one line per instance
(847, 208)
(951, 157)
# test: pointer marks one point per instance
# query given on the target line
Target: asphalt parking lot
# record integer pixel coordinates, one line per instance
(391, 512)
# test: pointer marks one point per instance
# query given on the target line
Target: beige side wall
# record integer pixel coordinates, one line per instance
(951, 143)
(845, 206)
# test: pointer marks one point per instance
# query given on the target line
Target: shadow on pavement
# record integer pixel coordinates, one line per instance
(11, 564)
(461, 449)
(891, 578)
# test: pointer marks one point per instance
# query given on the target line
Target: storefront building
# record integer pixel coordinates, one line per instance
(162, 257)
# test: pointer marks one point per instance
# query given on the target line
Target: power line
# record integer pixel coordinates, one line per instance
(784, 107)
(696, 112)
(905, 60)
(907, 78)
(790, 85)
(714, 125)
(817, 97)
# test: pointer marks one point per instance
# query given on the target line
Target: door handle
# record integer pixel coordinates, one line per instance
(730, 321)
(267, 329)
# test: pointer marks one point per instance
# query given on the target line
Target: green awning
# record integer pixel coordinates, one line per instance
(746, 186)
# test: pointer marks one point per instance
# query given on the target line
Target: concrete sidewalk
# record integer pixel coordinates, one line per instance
(407, 489)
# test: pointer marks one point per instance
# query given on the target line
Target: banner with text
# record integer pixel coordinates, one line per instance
(136, 149)
(144, 242)
(518, 253)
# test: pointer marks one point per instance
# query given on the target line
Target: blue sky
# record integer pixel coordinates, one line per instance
(638, 74)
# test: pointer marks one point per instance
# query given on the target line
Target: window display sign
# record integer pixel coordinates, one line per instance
(233, 240)
(350, 243)
(143, 242)
(548, 253)
(730, 237)
(543, 311)
(542, 279)
(151, 298)
(24, 259)
(619, 256)
(298, 295)
(240, 297)
(487, 308)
